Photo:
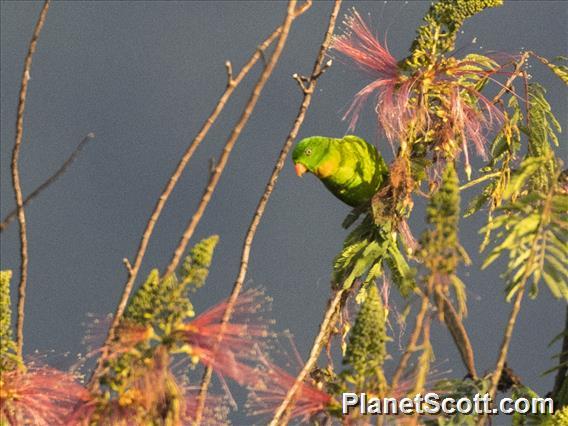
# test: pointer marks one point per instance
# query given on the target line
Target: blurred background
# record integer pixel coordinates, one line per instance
(144, 76)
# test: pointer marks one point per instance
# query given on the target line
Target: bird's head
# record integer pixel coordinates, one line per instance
(309, 153)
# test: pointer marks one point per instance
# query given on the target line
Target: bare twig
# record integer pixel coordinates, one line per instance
(563, 360)
(423, 366)
(504, 349)
(10, 216)
(16, 178)
(508, 84)
(479, 180)
(457, 330)
(232, 83)
(459, 336)
(411, 346)
(127, 265)
(496, 376)
(281, 414)
(318, 69)
(243, 119)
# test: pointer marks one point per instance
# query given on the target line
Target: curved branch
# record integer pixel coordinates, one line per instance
(283, 412)
(562, 361)
(458, 332)
(506, 342)
(318, 69)
(16, 178)
(232, 83)
(10, 216)
(411, 346)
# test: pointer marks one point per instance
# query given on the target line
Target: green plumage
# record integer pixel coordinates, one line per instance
(350, 168)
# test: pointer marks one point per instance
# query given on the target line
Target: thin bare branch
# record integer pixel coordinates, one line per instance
(508, 84)
(496, 376)
(411, 346)
(562, 361)
(241, 123)
(504, 349)
(479, 180)
(318, 69)
(232, 83)
(13, 214)
(283, 412)
(16, 178)
(458, 332)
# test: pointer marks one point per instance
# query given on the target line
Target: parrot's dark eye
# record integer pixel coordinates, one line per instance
(308, 151)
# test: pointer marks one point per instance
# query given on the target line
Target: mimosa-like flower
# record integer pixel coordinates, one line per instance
(151, 392)
(440, 104)
(216, 408)
(228, 349)
(39, 396)
(275, 382)
(360, 45)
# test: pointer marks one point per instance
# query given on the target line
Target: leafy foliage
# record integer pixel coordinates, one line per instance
(522, 391)
(138, 376)
(533, 223)
(442, 23)
(8, 358)
(459, 389)
(557, 65)
(365, 252)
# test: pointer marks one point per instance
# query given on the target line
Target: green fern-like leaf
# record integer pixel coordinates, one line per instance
(366, 250)
(557, 65)
(533, 230)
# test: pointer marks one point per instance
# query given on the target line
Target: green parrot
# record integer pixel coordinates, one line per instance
(350, 168)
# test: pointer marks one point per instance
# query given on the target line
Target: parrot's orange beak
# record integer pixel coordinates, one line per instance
(300, 169)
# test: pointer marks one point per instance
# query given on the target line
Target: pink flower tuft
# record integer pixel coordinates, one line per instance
(228, 354)
(216, 408)
(270, 391)
(461, 112)
(40, 396)
(369, 55)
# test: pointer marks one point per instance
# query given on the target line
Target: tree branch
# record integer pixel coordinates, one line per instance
(479, 180)
(10, 216)
(458, 332)
(562, 361)
(318, 69)
(503, 351)
(220, 166)
(16, 178)
(508, 84)
(411, 346)
(232, 83)
(283, 412)
(496, 376)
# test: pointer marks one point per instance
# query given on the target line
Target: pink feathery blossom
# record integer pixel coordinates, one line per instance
(392, 93)
(229, 353)
(149, 393)
(402, 99)
(216, 408)
(275, 382)
(39, 396)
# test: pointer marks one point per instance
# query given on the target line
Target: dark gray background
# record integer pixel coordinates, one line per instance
(143, 76)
